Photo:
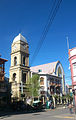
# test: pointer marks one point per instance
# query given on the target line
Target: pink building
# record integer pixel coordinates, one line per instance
(72, 59)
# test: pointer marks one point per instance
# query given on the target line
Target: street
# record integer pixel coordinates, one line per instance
(56, 114)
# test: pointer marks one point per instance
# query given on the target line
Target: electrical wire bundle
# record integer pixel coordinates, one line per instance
(52, 14)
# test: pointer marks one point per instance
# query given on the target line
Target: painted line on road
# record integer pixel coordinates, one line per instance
(64, 117)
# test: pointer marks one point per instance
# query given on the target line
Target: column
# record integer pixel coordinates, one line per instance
(55, 86)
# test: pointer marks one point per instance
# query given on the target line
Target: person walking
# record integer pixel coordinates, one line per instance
(70, 108)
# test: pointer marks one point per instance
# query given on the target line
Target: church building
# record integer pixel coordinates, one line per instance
(52, 78)
(19, 70)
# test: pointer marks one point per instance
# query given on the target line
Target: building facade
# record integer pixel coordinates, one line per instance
(72, 60)
(19, 70)
(2, 69)
(52, 79)
(69, 89)
(4, 85)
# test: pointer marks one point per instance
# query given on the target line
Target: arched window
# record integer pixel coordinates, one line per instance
(59, 72)
(24, 60)
(24, 77)
(15, 60)
(14, 77)
(41, 81)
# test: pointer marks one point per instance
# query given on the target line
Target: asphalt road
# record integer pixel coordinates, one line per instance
(56, 114)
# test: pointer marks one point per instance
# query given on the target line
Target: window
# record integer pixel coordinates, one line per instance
(59, 72)
(0, 69)
(74, 72)
(24, 60)
(42, 88)
(24, 78)
(14, 77)
(41, 81)
(3, 86)
(15, 60)
(39, 70)
(74, 69)
(1, 65)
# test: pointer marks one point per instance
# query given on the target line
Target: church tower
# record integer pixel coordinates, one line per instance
(19, 70)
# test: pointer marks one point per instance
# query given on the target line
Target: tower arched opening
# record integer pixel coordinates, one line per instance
(15, 61)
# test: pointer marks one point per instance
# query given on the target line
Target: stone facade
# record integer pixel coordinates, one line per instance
(19, 70)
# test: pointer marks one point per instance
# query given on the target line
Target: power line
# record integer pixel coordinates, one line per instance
(43, 36)
(47, 27)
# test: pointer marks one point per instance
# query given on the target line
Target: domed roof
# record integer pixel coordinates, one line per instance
(19, 37)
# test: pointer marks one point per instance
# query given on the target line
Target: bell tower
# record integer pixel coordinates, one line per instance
(19, 70)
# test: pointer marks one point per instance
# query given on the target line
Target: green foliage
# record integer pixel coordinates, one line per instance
(69, 97)
(63, 97)
(33, 85)
(56, 96)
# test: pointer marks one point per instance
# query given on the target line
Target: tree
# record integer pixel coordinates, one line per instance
(33, 86)
(69, 97)
(56, 98)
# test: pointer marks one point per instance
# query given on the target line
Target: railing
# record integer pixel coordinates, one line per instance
(1, 73)
(51, 92)
(55, 84)
(3, 90)
(58, 84)
(1, 78)
(24, 87)
(51, 83)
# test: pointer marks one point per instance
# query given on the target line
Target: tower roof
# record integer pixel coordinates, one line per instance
(19, 37)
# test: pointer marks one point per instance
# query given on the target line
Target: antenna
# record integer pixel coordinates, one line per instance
(67, 43)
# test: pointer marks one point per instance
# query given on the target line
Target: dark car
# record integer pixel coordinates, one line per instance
(19, 105)
(37, 106)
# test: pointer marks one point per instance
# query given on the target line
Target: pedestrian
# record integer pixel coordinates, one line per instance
(70, 108)
(52, 105)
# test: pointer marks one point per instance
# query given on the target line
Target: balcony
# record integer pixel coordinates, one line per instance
(52, 84)
(51, 92)
(58, 85)
(1, 77)
(1, 73)
(24, 87)
(3, 90)
(42, 92)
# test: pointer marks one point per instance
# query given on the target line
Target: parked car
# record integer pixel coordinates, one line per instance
(19, 105)
(37, 105)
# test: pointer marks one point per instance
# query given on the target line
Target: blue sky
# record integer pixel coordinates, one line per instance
(29, 17)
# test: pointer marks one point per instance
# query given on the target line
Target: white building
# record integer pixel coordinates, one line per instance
(52, 79)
